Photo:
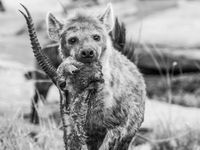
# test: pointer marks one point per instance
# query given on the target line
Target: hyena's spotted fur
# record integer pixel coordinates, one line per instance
(118, 36)
(119, 107)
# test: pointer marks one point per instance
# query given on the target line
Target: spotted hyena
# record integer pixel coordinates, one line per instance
(84, 39)
(109, 116)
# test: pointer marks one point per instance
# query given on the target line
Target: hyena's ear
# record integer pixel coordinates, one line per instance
(107, 18)
(54, 27)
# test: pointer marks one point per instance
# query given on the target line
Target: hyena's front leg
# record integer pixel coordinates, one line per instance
(123, 125)
(109, 141)
(116, 140)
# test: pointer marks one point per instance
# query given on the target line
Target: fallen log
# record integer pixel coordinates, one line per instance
(159, 60)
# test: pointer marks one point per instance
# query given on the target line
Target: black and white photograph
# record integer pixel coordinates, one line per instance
(99, 75)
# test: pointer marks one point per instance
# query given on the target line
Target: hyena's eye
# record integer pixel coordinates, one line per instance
(72, 40)
(96, 37)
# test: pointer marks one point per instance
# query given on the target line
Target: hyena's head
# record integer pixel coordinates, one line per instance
(84, 37)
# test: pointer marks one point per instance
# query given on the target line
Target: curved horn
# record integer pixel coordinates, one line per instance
(41, 58)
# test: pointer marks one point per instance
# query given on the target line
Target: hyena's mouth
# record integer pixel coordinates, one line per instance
(87, 60)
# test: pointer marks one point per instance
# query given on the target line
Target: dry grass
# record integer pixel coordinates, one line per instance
(167, 139)
(16, 134)
(182, 90)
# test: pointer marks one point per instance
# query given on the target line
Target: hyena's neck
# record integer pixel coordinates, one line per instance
(105, 61)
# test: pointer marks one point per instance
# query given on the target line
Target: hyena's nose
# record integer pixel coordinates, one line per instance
(87, 53)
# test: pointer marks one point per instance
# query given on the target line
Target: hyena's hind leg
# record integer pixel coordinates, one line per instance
(124, 142)
(41, 91)
(42, 85)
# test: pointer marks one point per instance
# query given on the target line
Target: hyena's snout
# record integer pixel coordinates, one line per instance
(87, 55)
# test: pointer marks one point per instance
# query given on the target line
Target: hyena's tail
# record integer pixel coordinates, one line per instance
(120, 43)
